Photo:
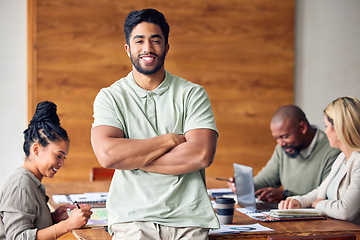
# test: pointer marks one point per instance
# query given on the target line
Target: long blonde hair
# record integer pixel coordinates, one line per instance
(344, 115)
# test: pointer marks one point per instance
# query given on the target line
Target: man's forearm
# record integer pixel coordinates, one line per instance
(114, 151)
(129, 154)
(196, 153)
(175, 162)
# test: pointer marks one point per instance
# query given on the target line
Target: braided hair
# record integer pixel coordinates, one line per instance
(44, 127)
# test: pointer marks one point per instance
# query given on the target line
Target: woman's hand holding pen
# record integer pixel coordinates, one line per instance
(79, 216)
(61, 213)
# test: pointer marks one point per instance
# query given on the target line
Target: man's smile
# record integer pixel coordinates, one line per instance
(148, 58)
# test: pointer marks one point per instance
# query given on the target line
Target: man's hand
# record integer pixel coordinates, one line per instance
(289, 203)
(194, 152)
(231, 184)
(270, 194)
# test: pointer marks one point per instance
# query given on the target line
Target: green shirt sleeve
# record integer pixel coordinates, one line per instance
(269, 176)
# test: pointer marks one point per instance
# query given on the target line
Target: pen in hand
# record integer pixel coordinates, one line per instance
(223, 179)
(77, 205)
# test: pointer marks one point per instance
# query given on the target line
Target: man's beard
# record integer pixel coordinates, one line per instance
(136, 63)
(296, 150)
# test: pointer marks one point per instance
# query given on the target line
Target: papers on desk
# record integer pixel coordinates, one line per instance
(304, 214)
(257, 215)
(219, 192)
(228, 229)
(94, 197)
(99, 218)
(286, 213)
(276, 215)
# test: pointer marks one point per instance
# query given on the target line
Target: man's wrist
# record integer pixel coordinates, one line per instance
(286, 193)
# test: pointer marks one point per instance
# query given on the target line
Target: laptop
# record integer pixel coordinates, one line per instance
(245, 192)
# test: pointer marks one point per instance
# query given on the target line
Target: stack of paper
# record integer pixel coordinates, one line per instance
(293, 213)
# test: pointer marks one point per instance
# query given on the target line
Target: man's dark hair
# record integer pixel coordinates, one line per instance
(292, 112)
(146, 15)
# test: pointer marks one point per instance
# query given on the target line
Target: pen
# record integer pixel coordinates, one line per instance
(77, 205)
(223, 179)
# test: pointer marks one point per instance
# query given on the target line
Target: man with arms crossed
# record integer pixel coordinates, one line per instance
(301, 160)
(158, 131)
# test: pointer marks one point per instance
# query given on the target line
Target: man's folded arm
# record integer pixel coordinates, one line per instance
(196, 153)
(114, 151)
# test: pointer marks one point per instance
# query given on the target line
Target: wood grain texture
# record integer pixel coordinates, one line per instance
(241, 51)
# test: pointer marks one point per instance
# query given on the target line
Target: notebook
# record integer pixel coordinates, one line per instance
(290, 213)
(245, 192)
(293, 215)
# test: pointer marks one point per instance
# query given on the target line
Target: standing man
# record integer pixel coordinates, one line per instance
(158, 131)
(301, 160)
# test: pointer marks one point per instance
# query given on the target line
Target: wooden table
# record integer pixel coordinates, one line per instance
(303, 228)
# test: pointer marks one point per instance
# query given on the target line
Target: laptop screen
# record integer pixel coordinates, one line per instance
(244, 182)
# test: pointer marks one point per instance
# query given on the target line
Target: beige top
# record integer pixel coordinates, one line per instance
(23, 206)
(347, 191)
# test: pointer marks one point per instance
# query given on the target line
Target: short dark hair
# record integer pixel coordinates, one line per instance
(44, 127)
(146, 15)
(292, 112)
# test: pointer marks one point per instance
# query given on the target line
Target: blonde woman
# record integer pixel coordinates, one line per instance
(339, 194)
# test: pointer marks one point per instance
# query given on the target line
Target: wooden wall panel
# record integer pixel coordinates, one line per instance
(241, 51)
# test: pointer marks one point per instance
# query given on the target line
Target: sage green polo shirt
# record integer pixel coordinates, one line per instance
(175, 106)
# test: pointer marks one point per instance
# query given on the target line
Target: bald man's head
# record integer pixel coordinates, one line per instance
(289, 127)
(292, 112)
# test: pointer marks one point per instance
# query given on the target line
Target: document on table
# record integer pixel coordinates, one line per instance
(218, 192)
(93, 197)
(291, 215)
(302, 212)
(99, 218)
(228, 229)
(257, 215)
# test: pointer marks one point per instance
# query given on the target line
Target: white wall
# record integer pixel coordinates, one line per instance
(13, 84)
(327, 54)
(327, 66)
